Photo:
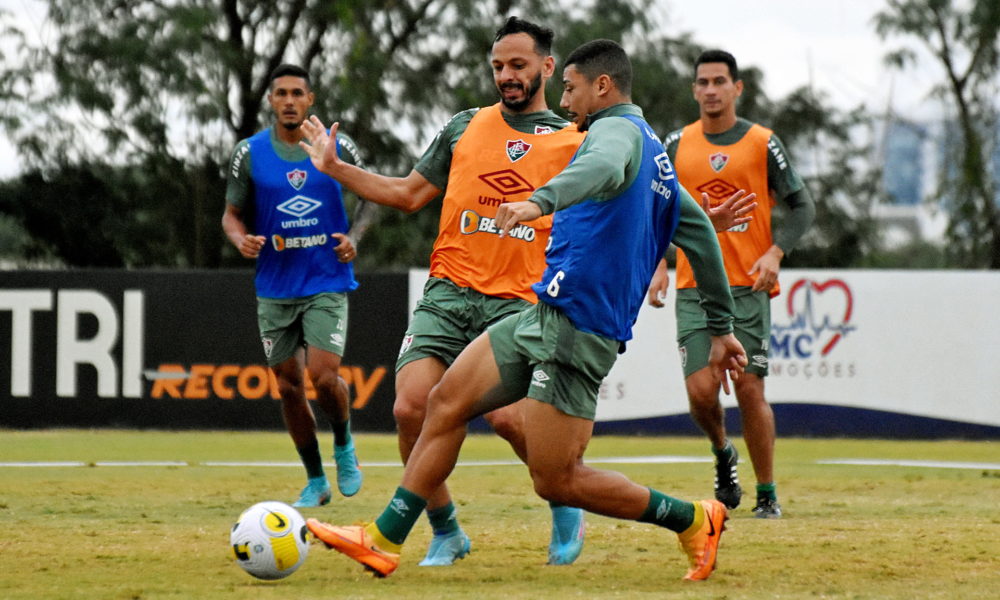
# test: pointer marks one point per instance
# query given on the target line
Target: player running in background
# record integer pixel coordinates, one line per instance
(482, 158)
(718, 154)
(291, 218)
(616, 207)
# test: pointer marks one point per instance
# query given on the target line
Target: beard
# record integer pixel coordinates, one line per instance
(529, 93)
(291, 125)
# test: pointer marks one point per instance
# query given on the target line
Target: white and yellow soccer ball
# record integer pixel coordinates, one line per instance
(269, 540)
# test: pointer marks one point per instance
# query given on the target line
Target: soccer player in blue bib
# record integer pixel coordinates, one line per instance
(291, 218)
(617, 206)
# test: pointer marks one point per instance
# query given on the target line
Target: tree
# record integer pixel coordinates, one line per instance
(965, 43)
(143, 101)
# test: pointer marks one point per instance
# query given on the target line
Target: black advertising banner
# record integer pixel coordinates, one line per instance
(171, 350)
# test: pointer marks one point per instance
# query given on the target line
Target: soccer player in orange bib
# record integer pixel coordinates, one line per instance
(715, 156)
(482, 158)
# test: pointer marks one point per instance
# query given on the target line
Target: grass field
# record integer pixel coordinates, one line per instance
(850, 531)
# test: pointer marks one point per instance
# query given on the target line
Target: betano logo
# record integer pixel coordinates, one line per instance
(281, 243)
(471, 222)
(249, 382)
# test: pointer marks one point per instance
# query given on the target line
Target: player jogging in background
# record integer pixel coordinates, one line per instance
(617, 207)
(291, 218)
(482, 158)
(717, 155)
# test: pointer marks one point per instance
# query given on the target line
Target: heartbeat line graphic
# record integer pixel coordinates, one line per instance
(808, 320)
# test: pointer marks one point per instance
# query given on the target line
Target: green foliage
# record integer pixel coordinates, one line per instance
(965, 39)
(147, 99)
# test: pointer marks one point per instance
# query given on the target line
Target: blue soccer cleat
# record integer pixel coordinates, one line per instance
(567, 535)
(446, 548)
(349, 475)
(316, 493)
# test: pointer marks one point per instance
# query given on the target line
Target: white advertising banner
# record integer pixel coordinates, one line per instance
(920, 343)
(911, 342)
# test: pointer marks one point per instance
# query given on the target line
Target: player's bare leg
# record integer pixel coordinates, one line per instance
(707, 412)
(414, 382)
(556, 443)
(759, 435)
(301, 425)
(333, 396)
(566, 540)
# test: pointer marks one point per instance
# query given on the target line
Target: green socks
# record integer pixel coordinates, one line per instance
(665, 511)
(768, 491)
(400, 515)
(444, 519)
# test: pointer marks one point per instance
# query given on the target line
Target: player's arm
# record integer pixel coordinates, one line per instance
(734, 211)
(408, 193)
(364, 211)
(697, 238)
(787, 186)
(239, 193)
(605, 164)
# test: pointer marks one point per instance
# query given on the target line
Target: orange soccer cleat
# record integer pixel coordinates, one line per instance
(358, 544)
(702, 544)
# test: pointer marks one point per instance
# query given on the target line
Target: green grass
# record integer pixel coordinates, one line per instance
(162, 532)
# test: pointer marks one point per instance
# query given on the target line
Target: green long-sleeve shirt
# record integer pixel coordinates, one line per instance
(605, 166)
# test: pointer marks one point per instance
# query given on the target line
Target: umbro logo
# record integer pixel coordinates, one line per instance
(299, 206)
(539, 378)
(661, 510)
(400, 507)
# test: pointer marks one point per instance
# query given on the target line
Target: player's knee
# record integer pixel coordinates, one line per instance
(328, 381)
(506, 424)
(409, 412)
(552, 488)
(446, 408)
(552, 483)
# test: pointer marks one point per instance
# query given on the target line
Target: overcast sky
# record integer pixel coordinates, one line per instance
(831, 44)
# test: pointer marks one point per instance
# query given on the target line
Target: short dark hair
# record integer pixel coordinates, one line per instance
(603, 57)
(542, 35)
(288, 69)
(718, 56)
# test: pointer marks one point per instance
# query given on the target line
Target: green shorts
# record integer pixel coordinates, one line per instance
(752, 327)
(541, 355)
(448, 317)
(286, 324)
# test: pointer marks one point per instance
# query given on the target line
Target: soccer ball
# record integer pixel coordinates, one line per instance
(269, 540)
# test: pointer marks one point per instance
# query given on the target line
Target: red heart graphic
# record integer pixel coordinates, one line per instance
(820, 288)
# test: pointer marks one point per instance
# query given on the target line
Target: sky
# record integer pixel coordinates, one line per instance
(830, 44)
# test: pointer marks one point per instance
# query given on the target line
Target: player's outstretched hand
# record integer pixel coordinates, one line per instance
(321, 148)
(734, 211)
(727, 358)
(345, 249)
(512, 213)
(659, 285)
